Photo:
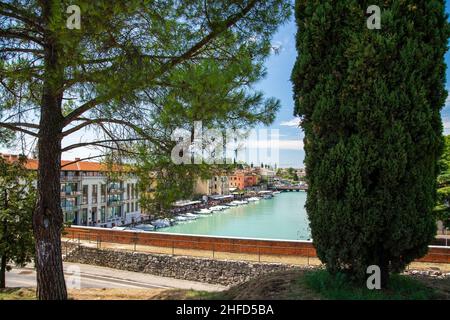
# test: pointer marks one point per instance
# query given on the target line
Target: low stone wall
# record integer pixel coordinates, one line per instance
(188, 268)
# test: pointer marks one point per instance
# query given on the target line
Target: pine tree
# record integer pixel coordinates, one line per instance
(17, 200)
(370, 102)
(108, 76)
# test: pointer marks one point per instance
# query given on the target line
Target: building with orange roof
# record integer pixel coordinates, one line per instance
(90, 197)
(242, 179)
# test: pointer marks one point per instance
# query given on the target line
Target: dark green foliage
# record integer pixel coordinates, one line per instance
(131, 68)
(17, 201)
(370, 104)
(339, 287)
(442, 208)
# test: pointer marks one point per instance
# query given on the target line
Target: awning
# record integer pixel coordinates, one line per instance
(217, 197)
(183, 203)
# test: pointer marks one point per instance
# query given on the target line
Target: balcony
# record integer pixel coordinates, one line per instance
(116, 190)
(70, 178)
(115, 202)
(70, 194)
(69, 208)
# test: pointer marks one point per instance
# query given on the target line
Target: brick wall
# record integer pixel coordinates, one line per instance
(219, 244)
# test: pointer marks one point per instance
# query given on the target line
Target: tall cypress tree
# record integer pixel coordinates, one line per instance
(370, 104)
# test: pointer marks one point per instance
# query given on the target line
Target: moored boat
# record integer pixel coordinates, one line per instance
(144, 227)
(204, 211)
(161, 223)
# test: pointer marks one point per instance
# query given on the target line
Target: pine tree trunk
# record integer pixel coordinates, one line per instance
(3, 260)
(48, 217)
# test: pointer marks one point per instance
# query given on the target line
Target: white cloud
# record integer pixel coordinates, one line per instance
(446, 124)
(276, 47)
(291, 123)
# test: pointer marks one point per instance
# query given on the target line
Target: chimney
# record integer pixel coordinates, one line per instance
(77, 159)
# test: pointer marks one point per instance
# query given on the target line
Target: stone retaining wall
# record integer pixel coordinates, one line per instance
(221, 272)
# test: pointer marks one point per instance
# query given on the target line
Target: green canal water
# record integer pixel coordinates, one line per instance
(281, 217)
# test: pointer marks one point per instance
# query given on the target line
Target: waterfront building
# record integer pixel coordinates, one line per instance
(243, 179)
(301, 173)
(90, 197)
(267, 175)
(217, 185)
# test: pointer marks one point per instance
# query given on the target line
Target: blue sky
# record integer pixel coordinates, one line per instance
(277, 84)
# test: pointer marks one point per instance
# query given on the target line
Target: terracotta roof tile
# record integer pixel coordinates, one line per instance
(68, 165)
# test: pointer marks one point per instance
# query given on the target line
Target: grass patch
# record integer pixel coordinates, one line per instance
(17, 294)
(340, 288)
(291, 285)
(182, 294)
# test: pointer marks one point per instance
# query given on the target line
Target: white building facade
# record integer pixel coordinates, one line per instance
(91, 198)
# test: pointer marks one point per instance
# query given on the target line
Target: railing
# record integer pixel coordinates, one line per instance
(114, 202)
(116, 190)
(69, 194)
(70, 178)
(71, 208)
(215, 247)
(211, 247)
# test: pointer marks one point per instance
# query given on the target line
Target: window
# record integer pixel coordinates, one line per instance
(84, 217)
(103, 192)
(69, 216)
(103, 214)
(110, 213)
(128, 207)
(94, 193)
(128, 192)
(85, 194)
(132, 207)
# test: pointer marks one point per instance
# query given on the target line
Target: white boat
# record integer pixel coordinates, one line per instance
(238, 202)
(204, 211)
(189, 216)
(216, 208)
(253, 199)
(181, 218)
(119, 228)
(276, 192)
(161, 223)
(144, 227)
(232, 204)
